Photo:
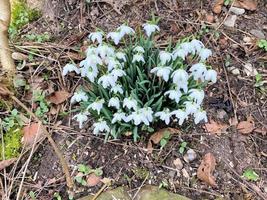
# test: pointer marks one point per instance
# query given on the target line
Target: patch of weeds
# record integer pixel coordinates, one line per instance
(32, 195)
(165, 139)
(164, 184)
(43, 107)
(262, 44)
(21, 15)
(182, 147)
(45, 37)
(12, 121)
(57, 196)
(140, 172)
(259, 83)
(84, 171)
(204, 29)
(250, 175)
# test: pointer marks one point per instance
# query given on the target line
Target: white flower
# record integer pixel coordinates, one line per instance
(115, 36)
(70, 68)
(119, 116)
(148, 114)
(181, 115)
(188, 47)
(163, 72)
(89, 72)
(114, 102)
(100, 126)
(197, 95)
(107, 80)
(117, 89)
(191, 107)
(199, 116)
(204, 54)
(97, 105)
(81, 118)
(174, 95)
(150, 28)
(79, 96)
(164, 57)
(137, 117)
(121, 56)
(117, 73)
(181, 53)
(180, 78)
(139, 49)
(123, 29)
(211, 75)
(199, 71)
(198, 45)
(130, 103)
(138, 57)
(90, 51)
(96, 36)
(164, 115)
(104, 51)
(112, 63)
(92, 60)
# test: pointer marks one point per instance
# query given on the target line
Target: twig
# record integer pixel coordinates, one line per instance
(139, 188)
(107, 183)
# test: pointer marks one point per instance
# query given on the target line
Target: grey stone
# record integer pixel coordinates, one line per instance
(190, 156)
(237, 11)
(257, 33)
(234, 70)
(230, 21)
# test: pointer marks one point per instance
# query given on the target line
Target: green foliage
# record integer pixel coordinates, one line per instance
(165, 139)
(164, 184)
(57, 196)
(182, 147)
(85, 170)
(227, 2)
(250, 175)
(43, 107)
(21, 15)
(45, 37)
(262, 44)
(32, 195)
(12, 121)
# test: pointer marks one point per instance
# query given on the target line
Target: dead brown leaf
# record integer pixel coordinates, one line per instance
(30, 132)
(157, 136)
(246, 4)
(93, 180)
(6, 163)
(262, 130)
(58, 97)
(217, 8)
(206, 168)
(215, 127)
(246, 127)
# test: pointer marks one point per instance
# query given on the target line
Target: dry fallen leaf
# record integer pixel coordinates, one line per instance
(93, 180)
(206, 168)
(58, 97)
(157, 136)
(246, 127)
(6, 163)
(262, 130)
(215, 127)
(217, 8)
(30, 132)
(246, 4)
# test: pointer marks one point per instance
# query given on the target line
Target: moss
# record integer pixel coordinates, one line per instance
(140, 172)
(12, 144)
(21, 15)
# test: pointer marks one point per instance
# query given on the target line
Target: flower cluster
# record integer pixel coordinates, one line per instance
(136, 84)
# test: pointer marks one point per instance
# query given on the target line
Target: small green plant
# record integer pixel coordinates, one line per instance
(227, 2)
(43, 107)
(262, 44)
(32, 195)
(84, 171)
(12, 121)
(57, 196)
(45, 37)
(165, 139)
(250, 175)
(182, 147)
(164, 184)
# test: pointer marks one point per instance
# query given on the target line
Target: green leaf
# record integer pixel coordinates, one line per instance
(83, 168)
(250, 175)
(98, 171)
(163, 142)
(79, 179)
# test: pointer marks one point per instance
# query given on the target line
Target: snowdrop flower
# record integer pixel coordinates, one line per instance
(150, 28)
(204, 54)
(199, 71)
(138, 58)
(181, 115)
(89, 72)
(163, 72)
(100, 126)
(81, 118)
(121, 56)
(180, 78)
(174, 95)
(117, 89)
(164, 115)
(97, 105)
(165, 57)
(118, 116)
(104, 51)
(197, 95)
(78, 97)
(188, 47)
(112, 63)
(92, 60)
(198, 45)
(137, 117)
(115, 36)
(96, 36)
(117, 73)
(148, 115)
(114, 102)
(123, 29)
(130, 103)
(107, 80)
(211, 75)
(191, 107)
(90, 51)
(139, 49)
(181, 53)
(199, 116)
(70, 68)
